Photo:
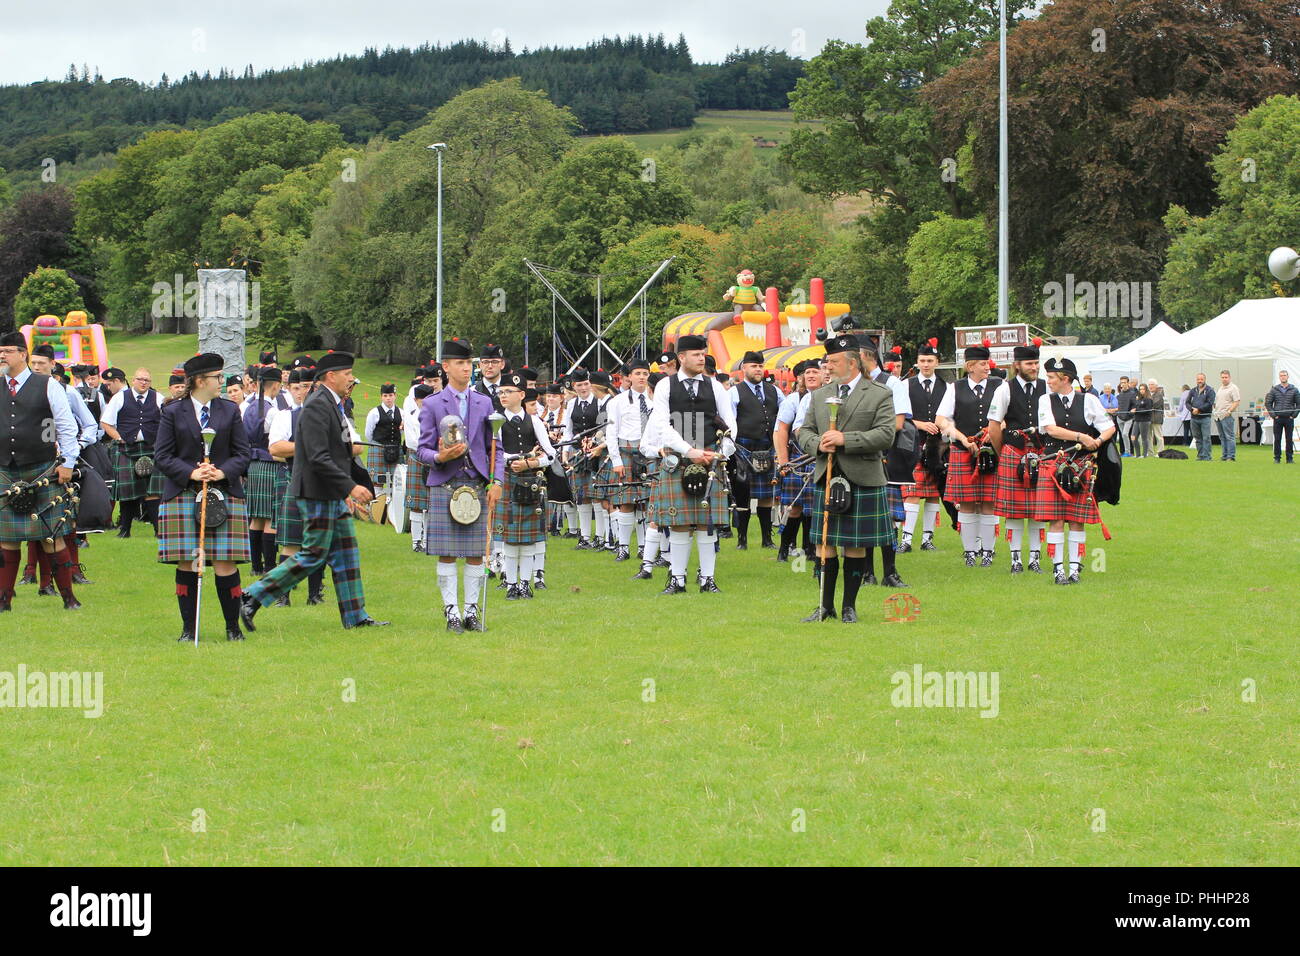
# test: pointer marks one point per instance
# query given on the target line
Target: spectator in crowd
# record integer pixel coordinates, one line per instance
(1108, 400)
(1185, 415)
(1226, 400)
(1124, 415)
(1200, 402)
(1157, 415)
(1281, 405)
(1142, 423)
(1087, 386)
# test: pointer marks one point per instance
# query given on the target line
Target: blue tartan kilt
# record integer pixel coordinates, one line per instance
(127, 485)
(260, 489)
(865, 525)
(446, 538)
(381, 473)
(636, 495)
(18, 528)
(584, 482)
(894, 498)
(518, 524)
(762, 485)
(671, 507)
(417, 492)
(178, 532)
(288, 522)
(795, 490)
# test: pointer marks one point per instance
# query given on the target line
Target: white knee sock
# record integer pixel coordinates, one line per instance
(584, 522)
(970, 530)
(624, 527)
(539, 557)
(474, 574)
(417, 528)
(526, 564)
(989, 532)
(930, 524)
(510, 563)
(498, 550)
(1078, 547)
(1016, 528)
(708, 555)
(639, 521)
(447, 583)
(679, 552)
(1035, 538)
(651, 552)
(571, 516)
(1056, 546)
(602, 523)
(911, 509)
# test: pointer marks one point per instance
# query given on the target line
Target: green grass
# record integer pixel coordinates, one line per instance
(771, 124)
(1123, 693)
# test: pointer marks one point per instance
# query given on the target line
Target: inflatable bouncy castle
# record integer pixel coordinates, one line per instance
(74, 339)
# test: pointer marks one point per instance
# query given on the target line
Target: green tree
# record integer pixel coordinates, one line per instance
(952, 275)
(46, 291)
(779, 248)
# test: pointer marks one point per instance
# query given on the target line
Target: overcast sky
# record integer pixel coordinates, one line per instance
(143, 39)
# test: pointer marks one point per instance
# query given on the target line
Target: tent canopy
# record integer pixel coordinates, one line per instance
(1127, 360)
(1253, 340)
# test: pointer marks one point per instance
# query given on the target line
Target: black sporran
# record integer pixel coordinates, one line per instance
(840, 499)
(695, 479)
(986, 460)
(217, 511)
(392, 454)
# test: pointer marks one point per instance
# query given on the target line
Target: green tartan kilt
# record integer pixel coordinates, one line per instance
(634, 494)
(178, 532)
(381, 473)
(157, 484)
(516, 524)
(670, 507)
(867, 523)
(127, 485)
(417, 492)
(17, 528)
(288, 522)
(584, 482)
(259, 488)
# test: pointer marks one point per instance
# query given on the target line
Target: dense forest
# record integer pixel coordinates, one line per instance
(619, 85)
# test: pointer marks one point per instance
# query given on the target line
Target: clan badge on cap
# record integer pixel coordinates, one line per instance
(841, 343)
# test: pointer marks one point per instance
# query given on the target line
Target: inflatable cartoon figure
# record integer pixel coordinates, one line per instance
(743, 296)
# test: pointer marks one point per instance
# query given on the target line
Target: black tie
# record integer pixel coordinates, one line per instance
(979, 390)
(927, 383)
(1029, 389)
(844, 392)
(758, 392)
(690, 385)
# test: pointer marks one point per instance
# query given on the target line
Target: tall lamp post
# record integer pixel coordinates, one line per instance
(438, 148)
(1003, 264)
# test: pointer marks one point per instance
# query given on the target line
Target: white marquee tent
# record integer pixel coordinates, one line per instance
(1253, 340)
(1126, 360)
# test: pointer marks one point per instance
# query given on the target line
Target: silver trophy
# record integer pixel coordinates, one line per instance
(451, 430)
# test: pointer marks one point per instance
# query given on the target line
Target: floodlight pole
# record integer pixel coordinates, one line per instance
(438, 148)
(1003, 308)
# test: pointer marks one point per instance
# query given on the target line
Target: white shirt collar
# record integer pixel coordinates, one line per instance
(199, 406)
(22, 377)
(972, 383)
(853, 384)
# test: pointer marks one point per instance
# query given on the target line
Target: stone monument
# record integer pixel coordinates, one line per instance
(224, 316)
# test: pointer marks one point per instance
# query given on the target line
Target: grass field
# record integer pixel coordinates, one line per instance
(770, 124)
(536, 743)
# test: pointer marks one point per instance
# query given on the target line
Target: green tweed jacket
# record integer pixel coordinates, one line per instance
(867, 420)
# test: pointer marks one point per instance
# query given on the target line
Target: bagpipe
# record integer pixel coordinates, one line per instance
(24, 497)
(934, 456)
(753, 462)
(985, 459)
(1028, 466)
(528, 487)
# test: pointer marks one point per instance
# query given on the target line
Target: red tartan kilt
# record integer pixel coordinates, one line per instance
(1014, 500)
(924, 484)
(965, 485)
(1050, 505)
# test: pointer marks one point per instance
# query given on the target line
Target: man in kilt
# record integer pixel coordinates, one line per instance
(858, 516)
(628, 413)
(1067, 420)
(262, 470)
(600, 476)
(963, 416)
(900, 461)
(581, 417)
(34, 467)
(1013, 419)
(131, 422)
(794, 467)
(179, 457)
(384, 426)
(922, 498)
(288, 520)
(754, 403)
(689, 431)
(519, 520)
(325, 483)
(455, 465)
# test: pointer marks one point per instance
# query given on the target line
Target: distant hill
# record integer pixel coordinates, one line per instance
(619, 85)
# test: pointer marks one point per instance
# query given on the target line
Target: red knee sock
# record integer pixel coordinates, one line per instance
(74, 554)
(10, 562)
(33, 558)
(44, 563)
(62, 572)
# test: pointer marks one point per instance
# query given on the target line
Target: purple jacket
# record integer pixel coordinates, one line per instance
(433, 410)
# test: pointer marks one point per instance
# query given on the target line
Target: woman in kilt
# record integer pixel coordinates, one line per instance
(1068, 419)
(520, 517)
(972, 483)
(628, 414)
(179, 455)
(690, 417)
(858, 518)
(582, 415)
(263, 470)
(384, 427)
(558, 492)
(796, 487)
(1015, 431)
(416, 500)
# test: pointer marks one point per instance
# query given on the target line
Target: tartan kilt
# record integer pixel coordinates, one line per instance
(178, 532)
(762, 486)
(127, 485)
(924, 484)
(1049, 504)
(636, 495)
(157, 484)
(447, 538)
(866, 524)
(584, 490)
(794, 490)
(1015, 499)
(259, 487)
(381, 473)
(417, 492)
(516, 524)
(670, 507)
(894, 499)
(288, 522)
(18, 528)
(965, 487)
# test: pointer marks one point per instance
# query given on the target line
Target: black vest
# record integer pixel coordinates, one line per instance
(23, 417)
(258, 439)
(693, 419)
(293, 421)
(584, 418)
(130, 418)
(518, 436)
(388, 430)
(1021, 411)
(1074, 419)
(93, 403)
(924, 406)
(969, 413)
(755, 419)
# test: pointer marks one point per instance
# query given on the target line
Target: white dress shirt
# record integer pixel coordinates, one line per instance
(625, 422)
(1093, 411)
(114, 407)
(661, 430)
